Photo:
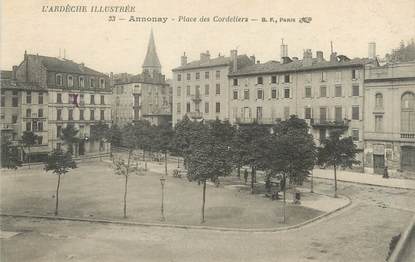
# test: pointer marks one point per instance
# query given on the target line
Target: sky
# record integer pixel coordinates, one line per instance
(120, 46)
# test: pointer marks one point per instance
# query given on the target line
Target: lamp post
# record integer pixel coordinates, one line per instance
(162, 182)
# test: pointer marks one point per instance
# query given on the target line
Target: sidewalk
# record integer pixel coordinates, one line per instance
(363, 178)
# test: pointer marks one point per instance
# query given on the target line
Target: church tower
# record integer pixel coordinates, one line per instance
(151, 62)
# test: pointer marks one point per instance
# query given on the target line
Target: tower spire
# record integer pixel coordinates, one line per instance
(151, 61)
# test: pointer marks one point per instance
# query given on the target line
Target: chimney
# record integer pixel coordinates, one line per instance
(14, 72)
(258, 62)
(333, 57)
(234, 59)
(295, 58)
(183, 59)
(372, 50)
(283, 50)
(252, 57)
(204, 57)
(286, 60)
(307, 58)
(320, 57)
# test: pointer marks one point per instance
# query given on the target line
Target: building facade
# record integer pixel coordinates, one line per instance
(390, 119)
(55, 93)
(200, 88)
(145, 96)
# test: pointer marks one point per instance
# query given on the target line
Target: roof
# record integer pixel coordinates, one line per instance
(214, 62)
(5, 74)
(13, 85)
(151, 59)
(65, 66)
(277, 67)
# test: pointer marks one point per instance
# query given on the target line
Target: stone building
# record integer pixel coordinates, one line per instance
(57, 92)
(200, 88)
(389, 108)
(143, 96)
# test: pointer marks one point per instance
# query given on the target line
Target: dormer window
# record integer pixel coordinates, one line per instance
(70, 81)
(102, 83)
(81, 81)
(59, 81)
(260, 80)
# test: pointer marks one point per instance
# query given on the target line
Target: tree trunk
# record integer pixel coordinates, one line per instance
(203, 202)
(284, 202)
(57, 195)
(239, 172)
(178, 162)
(145, 160)
(165, 163)
(335, 180)
(28, 156)
(252, 179)
(126, 183)
(312, 182)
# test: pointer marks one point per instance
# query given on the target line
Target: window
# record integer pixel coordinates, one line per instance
(246, 94)
(408, 112)
(338, 91)
(323, 114)
(338, 77)
(81, 114)
(187, 107)
(259, 112)
(207, 90)
(179, 91)
(323, 91)
(355, 74)
(197, 91)
(81, 81)
(274, 93)
(58, 114)
(3, 98)
(188, 91)
(70, 81)
(28, 112)
(379, 100)
(338, 114)
(40, 127)
(260, 94)
(217, 107)
(58, 131)
(40, 113)
(307, 113)
(206, 107)
(14, 119)
(218, 89)
(15, 101)
(286, 112)
(260, 80)
(355, 112)
(179, 108)
(92, 115)
(197, 75)
(40, 98)
(59, 98)
(102, 115)
(92, 100)
(206, 75)
(323, 77)
(28, 126)
(59, 79)
(308, 91)
(355, 134)
(70, 114)
(188, 76)
(287, 78)
(179, 77)
(235, 94)
(102, 100)
(235, 81)
(273, 79)
(286, 93)
(102, 83)
(355, 90)
(217, 74)
(28, 97)
(92, 82)
(378, 123)
(81, 99)
(307, 78)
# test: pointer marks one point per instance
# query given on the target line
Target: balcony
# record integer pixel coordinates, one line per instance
(390, 136)
(196, 98)
(408, 135)
(329, 123)
(195, 115)
(251, 120)
(8, 127)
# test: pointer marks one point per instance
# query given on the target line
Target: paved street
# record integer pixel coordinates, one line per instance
(360, 232)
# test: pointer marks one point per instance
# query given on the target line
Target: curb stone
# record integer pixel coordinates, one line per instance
(212, 228)
(365, 183)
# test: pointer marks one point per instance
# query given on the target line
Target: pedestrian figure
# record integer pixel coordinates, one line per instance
(246, 176)
(385, 172)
